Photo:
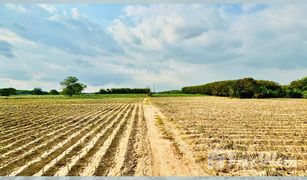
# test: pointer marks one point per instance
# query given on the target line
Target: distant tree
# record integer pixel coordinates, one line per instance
(12, 91)
(71, 86)
(171, 92)
(24, 92)
(268, 89)
(241, 88)
(37, 91)
(124, 91)
(102, 91)
(54, 92)
(294, 93)
(245, 87)
(299, 84)
(7, 91)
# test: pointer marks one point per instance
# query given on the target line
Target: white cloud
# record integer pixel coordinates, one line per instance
(10, 36)
(49, 8)
(40, 65)
(75, 14)
(167, 45)
(274, 36)
(29, 84)
(16, 7)
(193, 33)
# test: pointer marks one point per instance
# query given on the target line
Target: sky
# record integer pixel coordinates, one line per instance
(167, 46)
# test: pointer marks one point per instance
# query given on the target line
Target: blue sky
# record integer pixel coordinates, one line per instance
(168, 45)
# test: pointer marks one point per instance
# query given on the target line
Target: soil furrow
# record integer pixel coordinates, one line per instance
(21, 143)
(38, 163)
(84, 161)
(24, 161)
(108, 160)
(75, 151)
(125, 146)
(26, 150)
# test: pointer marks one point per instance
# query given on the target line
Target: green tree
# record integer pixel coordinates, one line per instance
(54, 92)
(299, 84)
(71, 86)
(245, 88)
(102, 91)
(37, 91)
(7, 91)
(294, 93)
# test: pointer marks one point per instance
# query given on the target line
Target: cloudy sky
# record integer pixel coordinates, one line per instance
(169, 46)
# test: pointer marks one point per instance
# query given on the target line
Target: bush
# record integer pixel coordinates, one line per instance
(304, 94)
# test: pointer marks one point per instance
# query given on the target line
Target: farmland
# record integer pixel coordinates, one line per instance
(152, 136)
(72, 137)
(240, 136)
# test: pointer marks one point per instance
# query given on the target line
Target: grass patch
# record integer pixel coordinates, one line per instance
(167, 135)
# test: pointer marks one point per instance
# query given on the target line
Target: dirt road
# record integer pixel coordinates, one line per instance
(167, 159)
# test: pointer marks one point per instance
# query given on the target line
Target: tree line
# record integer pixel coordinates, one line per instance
(251, 88)
(124, 91)
(240, 88)
(35, 91)
(71, 86)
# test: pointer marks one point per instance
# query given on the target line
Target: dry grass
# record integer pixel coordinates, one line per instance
(168, 135)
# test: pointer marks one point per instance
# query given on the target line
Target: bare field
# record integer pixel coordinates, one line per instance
(73, 137)
(152, 136)
(240, 136)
